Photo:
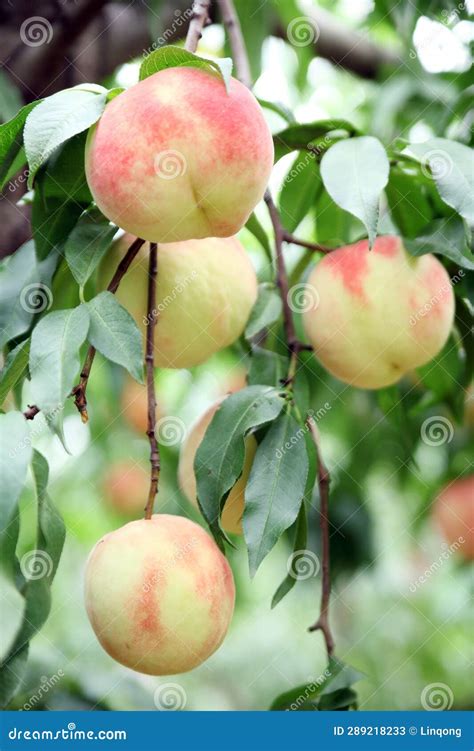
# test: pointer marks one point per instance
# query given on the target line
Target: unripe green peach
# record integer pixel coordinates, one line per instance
(125, 485)
(231, 518)
(205, 292)
(374, 315)
(454, 514)
(178, 157)
(159, 595)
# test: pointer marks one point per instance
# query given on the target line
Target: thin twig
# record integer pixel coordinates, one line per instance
(150, 379)
(198, 21)
(79, 391)
(237, 43)
(322, 624)
(31, 412)
(289, 238)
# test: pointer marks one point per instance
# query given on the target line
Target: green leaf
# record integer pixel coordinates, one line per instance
(15, 365)
(266, 310)
(316, 135)
(54, 359)
(267, 367)
(11, 142)
(452, 168)
(343, 698)
(301, 531)
(15, 456)
(13, 608)
(177, 57)
(336, 677)
(114, 333)
(56, 119)
(11, 675)
(354, 173)
(275, 488)
(19, 285)
(442, 375)
(87, 244)
(445, 237)
(465, 327)
(63, 176)
(220, 457)
(299, 190)
(254, 226)
(52, 219)
(279, 109)
(51, 529)
(409, 205)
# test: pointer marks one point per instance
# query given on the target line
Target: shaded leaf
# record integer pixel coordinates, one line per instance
(15, 365)
(445, 237)
(11, 142)
(175, 57)
(15, 456)
(299, 190)
(266, 310)
(254, 226)
(87, 243)
(301, 530)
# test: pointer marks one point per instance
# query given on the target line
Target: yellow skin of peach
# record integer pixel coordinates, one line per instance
(231, 519)
(125, 486)
(176, 157)
(374, 315)
(159, 595)
(205, 292)
(454, 515)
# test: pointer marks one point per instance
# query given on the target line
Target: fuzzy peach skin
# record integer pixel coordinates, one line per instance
(125, 486)
(159, 595)
(176, 157)
(232, 513)
(205, 292)
(454, 514)
(374, 315)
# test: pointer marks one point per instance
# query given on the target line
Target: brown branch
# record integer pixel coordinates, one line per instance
(150, 379)
(289, 238)
(231, 22)
(79, 391)
(322, 624)
(198, 21)
(31, 412)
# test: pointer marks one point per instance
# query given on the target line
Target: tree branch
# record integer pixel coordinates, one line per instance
(198, 21)
(322, 624)
(79, 391)
(150, 380)
(231, 22)
(289, 238)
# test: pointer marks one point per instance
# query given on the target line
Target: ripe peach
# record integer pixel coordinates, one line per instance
(231, 519)
(125, 486)
(159, 594)
(176, 157)
(205, 292)
(374, 315)
(454, 514)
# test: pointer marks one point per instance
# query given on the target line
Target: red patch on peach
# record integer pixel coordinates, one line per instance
(350, 265)
(386, 246)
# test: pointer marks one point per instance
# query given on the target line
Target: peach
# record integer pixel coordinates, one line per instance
(159, 594)
(125, 486)
(231, 518)
(134, 405)
(374, 315)
(176, 157)
(454, 514)
(205, 292)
